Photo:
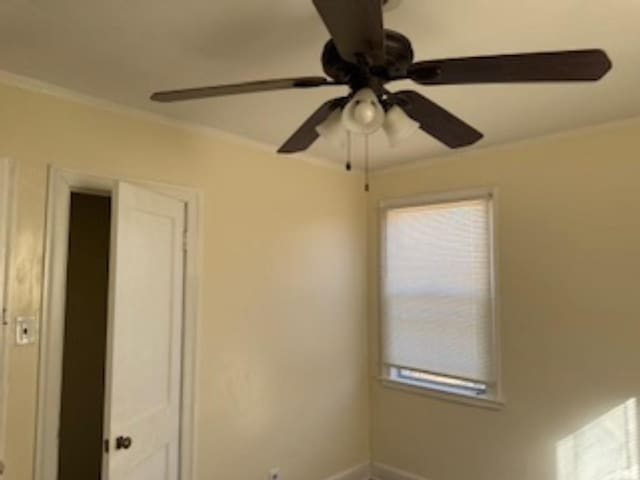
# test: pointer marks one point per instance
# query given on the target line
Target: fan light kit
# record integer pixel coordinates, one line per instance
(364, 56)
(398, 125)
(365, 115)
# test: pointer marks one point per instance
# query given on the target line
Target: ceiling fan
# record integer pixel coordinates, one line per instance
(365, 56)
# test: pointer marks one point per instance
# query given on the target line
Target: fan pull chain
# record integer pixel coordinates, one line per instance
(366, 163)
(348, 165)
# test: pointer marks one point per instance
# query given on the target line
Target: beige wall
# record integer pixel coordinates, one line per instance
(282, 368)
(282, 377)
(569, 264)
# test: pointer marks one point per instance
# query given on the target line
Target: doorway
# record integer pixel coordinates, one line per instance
(118, 331)
(85, 338)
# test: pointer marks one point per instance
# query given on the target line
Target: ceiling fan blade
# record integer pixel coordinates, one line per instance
(356, 28)
(238, 88)
(562, 66)
(304, 137)
(436, 121)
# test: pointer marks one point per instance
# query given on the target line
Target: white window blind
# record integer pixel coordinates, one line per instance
(438, 289)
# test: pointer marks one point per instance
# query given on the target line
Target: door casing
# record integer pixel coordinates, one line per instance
(61, 183)
(7, 214)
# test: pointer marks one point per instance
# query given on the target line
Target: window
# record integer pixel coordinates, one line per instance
(438, 329)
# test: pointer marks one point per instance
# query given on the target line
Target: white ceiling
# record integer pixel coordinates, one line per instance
(122, 50)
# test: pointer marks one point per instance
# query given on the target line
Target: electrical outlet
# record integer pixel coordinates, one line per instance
(274, 474)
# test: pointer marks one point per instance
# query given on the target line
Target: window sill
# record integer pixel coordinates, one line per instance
(481, 402)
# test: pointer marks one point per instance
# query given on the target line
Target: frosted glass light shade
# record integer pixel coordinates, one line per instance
(332, 129)
(398, 125)
(363, 114)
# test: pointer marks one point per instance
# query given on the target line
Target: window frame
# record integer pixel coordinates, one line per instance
(388, 375)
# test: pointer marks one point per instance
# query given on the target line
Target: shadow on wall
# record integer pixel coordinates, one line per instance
(606, 449)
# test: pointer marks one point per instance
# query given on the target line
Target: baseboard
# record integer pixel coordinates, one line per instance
(375, 471)
(359, 472)
(379, 471)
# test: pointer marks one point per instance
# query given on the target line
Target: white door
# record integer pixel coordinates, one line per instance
(145, 337)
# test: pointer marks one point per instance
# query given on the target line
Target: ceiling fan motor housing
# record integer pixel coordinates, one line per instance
(398, 56)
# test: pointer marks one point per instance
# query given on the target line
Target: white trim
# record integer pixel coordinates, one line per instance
(359, 472)
(380, 471)
(438, 197)
(38, 86)
(7, 215)
(495, 399)
(482, 402)
(61, 183)
(51, 324)
(468, 153)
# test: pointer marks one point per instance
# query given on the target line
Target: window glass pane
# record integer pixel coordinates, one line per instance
(429, 379)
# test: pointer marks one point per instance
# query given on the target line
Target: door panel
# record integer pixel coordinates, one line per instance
(145, 338)
(154, 468)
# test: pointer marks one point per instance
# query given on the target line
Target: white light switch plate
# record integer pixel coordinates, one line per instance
(26, 330)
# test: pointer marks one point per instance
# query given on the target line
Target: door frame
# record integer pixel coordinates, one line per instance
(62, 182)
(7, 230)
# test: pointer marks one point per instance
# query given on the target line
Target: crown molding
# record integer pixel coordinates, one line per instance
(531, 141)
(41, 87)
